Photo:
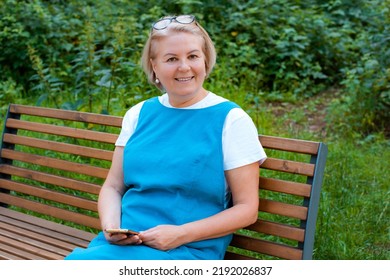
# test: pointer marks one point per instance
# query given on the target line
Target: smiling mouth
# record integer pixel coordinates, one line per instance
(184, 79)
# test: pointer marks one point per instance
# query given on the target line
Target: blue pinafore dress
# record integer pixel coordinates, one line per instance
(173, 171)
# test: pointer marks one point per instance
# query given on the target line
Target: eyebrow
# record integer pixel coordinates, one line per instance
(173, 54)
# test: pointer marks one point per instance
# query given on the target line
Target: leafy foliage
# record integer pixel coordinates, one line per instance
(84, 54)
(365, 107)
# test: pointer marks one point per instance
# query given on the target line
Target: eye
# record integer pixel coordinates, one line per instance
(193, 56)
(171, 59)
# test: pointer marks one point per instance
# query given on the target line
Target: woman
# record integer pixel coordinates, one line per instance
(185, 167)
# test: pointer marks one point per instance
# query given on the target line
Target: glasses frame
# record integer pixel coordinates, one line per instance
(169, 20)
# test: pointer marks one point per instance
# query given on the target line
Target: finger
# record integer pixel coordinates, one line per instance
(146, 236)
(115, 237)
(130, 240)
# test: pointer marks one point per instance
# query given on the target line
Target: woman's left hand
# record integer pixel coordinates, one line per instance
(163, 237)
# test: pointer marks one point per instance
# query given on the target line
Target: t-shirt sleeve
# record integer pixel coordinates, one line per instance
(129, 123)
(241, 144)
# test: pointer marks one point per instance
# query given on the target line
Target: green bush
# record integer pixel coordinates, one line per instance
(85, 54)
(364, 107)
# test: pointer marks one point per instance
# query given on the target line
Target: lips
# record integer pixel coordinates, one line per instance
(184, 79)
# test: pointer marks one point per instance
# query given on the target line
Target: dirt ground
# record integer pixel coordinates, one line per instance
(314, 110)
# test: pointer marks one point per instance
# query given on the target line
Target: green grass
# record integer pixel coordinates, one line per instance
(353, 220)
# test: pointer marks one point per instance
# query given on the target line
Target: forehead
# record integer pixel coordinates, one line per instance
(177, 42)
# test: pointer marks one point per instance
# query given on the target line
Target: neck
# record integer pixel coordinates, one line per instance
(186, 101)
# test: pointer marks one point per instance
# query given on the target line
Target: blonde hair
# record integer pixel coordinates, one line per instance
(175, 27)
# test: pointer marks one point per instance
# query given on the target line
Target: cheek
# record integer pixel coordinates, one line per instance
(198, 66)
(201, 69)
(165, 71)
(166, 75)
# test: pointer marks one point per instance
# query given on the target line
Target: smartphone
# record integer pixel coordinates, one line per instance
(121, 230)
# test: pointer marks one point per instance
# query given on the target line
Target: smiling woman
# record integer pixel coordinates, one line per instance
(180, 27)
(185, 169)
(179, 66)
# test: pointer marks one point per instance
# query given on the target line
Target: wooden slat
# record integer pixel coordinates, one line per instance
(58, 147)
(50, 210)
(277, 229)
(284, 209)
(11, 230)
(50, 179)
(287, 187)
(11, 253)
(289, 166)
(50, 243)
(7, 256)
(30, 240)
(49, 195)
(18, 243)
(266, 247)
(67, 115)
(40, 233)
(291, 145)
(68, 234)
(63, 131)
(56, 163)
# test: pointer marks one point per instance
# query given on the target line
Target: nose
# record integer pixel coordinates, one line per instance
(184, 66)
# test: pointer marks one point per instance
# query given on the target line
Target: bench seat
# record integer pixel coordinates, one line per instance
(53, 163)
(25, 237)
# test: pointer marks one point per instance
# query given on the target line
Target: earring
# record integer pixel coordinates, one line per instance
(157, 81)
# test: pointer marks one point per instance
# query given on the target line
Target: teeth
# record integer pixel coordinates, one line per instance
(184, 79)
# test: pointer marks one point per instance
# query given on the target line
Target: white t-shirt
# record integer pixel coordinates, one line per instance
(240, 142)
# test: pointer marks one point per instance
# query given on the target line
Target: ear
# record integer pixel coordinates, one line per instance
(153, 65)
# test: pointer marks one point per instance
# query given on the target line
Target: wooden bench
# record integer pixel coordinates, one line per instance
(53, 163)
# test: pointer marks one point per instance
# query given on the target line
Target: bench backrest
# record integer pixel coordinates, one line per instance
(53, 162)
(290, 186)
